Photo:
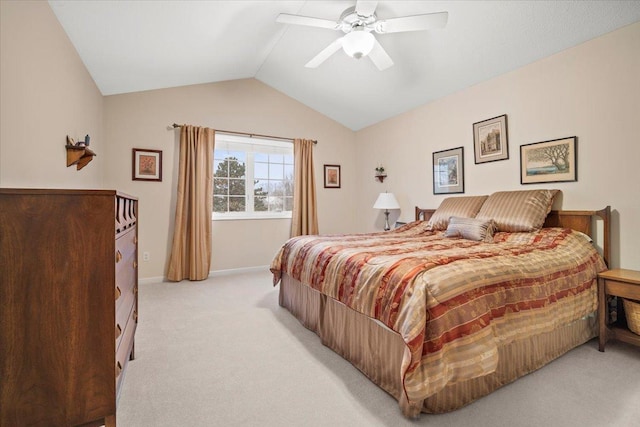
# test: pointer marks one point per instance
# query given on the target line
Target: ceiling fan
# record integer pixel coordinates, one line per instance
(358, 23)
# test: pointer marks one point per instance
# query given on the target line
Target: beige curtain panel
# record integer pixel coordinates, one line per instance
(191, 250)
(304, 219)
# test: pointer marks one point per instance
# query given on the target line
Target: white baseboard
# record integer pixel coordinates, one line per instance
(259, 268)
(148, 280)
(212, 273)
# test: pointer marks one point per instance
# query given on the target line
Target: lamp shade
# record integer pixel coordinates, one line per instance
(358, 43)
(386, 201)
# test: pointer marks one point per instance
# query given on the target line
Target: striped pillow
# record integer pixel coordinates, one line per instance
(518, 210)
(467, 207)
(470, 228)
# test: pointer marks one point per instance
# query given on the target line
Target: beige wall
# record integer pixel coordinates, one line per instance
(46, 94)
(591, 91)
(140, 120)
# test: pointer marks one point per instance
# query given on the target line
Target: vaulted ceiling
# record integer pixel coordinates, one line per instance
(130, 46)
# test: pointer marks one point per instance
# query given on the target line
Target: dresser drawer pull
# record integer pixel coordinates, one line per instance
(118, 292)
(118, 256)
(135, 290)
(135, 315)
(135, 239)
(135, 264)
(118, 369)
(118, 331)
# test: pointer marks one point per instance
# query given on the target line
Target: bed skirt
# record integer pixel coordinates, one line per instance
(378, 351)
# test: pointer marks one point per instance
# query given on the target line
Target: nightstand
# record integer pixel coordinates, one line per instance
(620, 283)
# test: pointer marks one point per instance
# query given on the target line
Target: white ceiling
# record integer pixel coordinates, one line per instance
(130, 46)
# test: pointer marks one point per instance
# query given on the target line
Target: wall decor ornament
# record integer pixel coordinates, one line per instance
(147, 165)
(448, 171)
(331, 176)
(549, 161)
(491, 140)
(78, 153)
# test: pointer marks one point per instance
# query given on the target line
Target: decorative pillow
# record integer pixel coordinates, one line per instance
(518, 210)
(470, 228)
(466, 207)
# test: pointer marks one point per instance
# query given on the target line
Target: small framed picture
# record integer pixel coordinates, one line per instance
(147, 165)
(448, 171)
(331, 176)
(549, 161)
(490, 140)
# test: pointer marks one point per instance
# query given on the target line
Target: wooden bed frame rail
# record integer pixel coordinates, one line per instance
(576, 220)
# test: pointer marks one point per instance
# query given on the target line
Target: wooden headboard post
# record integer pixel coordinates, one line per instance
(424, 214)
(576, 220)
(581, 221)
(605, 214)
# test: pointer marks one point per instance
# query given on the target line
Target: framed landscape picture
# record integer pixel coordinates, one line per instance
(448, 171)
(490, 140)
(331, 176)
(549, 161)
(147, 165)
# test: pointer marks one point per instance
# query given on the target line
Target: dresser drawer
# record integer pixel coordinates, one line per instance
(126, 276)
(126, 345)
(125, 305)
(125, 247)
(128, 329)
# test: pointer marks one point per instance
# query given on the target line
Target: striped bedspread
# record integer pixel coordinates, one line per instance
(453, 301)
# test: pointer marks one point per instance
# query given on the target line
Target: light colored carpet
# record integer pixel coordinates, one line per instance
(222, 352)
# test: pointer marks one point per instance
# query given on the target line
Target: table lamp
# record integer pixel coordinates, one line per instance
(386, 201)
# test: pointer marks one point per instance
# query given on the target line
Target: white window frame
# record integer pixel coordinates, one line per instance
(238, 142)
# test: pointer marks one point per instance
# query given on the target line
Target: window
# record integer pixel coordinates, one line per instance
(252, 178)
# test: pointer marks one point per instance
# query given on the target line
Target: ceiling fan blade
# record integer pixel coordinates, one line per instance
(366, 8)
(325, 54)
(285, 18)
(428, 21)
(380, 57)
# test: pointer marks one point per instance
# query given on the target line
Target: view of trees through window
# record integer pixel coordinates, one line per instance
(253, 181)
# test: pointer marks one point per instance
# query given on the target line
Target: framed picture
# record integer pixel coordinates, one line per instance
(490, 140)
(549, 161)
(448, 171)
(331, 176)
(147, 165)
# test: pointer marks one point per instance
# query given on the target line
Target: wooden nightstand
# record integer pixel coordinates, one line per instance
(621, 283)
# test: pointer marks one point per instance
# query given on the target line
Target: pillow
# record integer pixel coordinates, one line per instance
(467, 207)
(470, 228)
(518, 210)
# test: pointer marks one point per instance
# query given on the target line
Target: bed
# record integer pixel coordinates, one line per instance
(444, 310)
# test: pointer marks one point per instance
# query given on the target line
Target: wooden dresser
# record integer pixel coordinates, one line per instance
(68, 304)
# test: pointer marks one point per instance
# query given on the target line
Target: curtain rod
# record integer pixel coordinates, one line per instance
(250, 135)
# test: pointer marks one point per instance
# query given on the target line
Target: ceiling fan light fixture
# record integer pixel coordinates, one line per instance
(358, 24)
(358, 43)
